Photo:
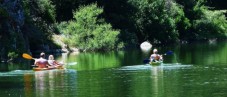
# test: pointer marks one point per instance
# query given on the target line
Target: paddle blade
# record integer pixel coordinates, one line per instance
(169, 53)
(145, 61)
(72, 63)
(26, 56)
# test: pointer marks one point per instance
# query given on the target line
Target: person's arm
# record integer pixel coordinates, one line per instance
(49, 63)
(151, 58)
(56, 63)
(35, 63)
(161, 58)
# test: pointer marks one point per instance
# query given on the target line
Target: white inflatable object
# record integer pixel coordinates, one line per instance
(145, 45)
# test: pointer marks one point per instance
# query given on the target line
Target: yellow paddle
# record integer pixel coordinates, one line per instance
(27, 56)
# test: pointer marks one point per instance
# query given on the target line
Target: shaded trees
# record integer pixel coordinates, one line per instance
(205, 23)
(119, 14)
(159, 21)
(12, 40)
(40, 18)
(154, 20)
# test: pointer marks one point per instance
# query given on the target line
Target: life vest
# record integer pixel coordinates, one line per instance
(41, 63)
(157, 57)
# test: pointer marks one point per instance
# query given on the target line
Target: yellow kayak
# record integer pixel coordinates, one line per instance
(156, 63)
(41, 69)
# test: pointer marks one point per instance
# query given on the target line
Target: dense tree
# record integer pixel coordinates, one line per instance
(206, 23)
(64, 8)
(88, 31)
(154, 21)
(159, 21)
(40, 18)
(12, 40)
(119, 14)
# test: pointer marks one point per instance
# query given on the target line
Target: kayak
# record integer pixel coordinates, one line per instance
(157, 63)
(42, 69)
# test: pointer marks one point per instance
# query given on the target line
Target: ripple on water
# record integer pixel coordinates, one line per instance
(22, 72)
(135, 67)
(16, 73)
(148, 67)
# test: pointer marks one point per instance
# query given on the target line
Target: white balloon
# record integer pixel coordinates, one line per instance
(145, 45)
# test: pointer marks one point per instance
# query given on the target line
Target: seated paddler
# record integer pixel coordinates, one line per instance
(155, 56)
(41, 62)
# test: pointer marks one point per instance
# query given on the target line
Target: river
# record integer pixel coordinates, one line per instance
(193, 70)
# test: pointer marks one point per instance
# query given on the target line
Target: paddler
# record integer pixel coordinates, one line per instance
(155, 56)
(41, 62)
(53, 63)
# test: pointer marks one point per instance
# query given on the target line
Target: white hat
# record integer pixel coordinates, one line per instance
(155, 50)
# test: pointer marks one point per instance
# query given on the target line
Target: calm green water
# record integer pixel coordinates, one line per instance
(194, 70)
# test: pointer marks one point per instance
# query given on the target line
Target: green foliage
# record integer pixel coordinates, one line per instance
(43, 9)
(119, 14)
(158, 21)
(205, 23)
(154, 21)
(64, 8)
(11, 37)
(12, 55)
(92, 28)
(212, 25)
(88, 31)
(182, 22)
(47, 9)
(208, 24)
(39, 22)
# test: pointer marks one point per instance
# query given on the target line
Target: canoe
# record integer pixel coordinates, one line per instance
(157, 63)
(42, 69)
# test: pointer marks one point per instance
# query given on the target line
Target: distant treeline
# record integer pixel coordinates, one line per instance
(157, 21)
(108, 24)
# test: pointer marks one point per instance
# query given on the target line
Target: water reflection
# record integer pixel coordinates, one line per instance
(52, 83)
(3, 67)
(40, 84)
(200, 71)
(196, 54)
(28, 85)
(153, 81)
(128, 81)
(203, 53)
(157, 81)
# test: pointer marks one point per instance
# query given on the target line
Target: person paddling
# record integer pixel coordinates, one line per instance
(53, 63)
(155, 56)
(41, 62)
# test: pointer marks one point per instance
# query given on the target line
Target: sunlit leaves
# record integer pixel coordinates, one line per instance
(155, 20)
(212, 24)
(88, 31)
